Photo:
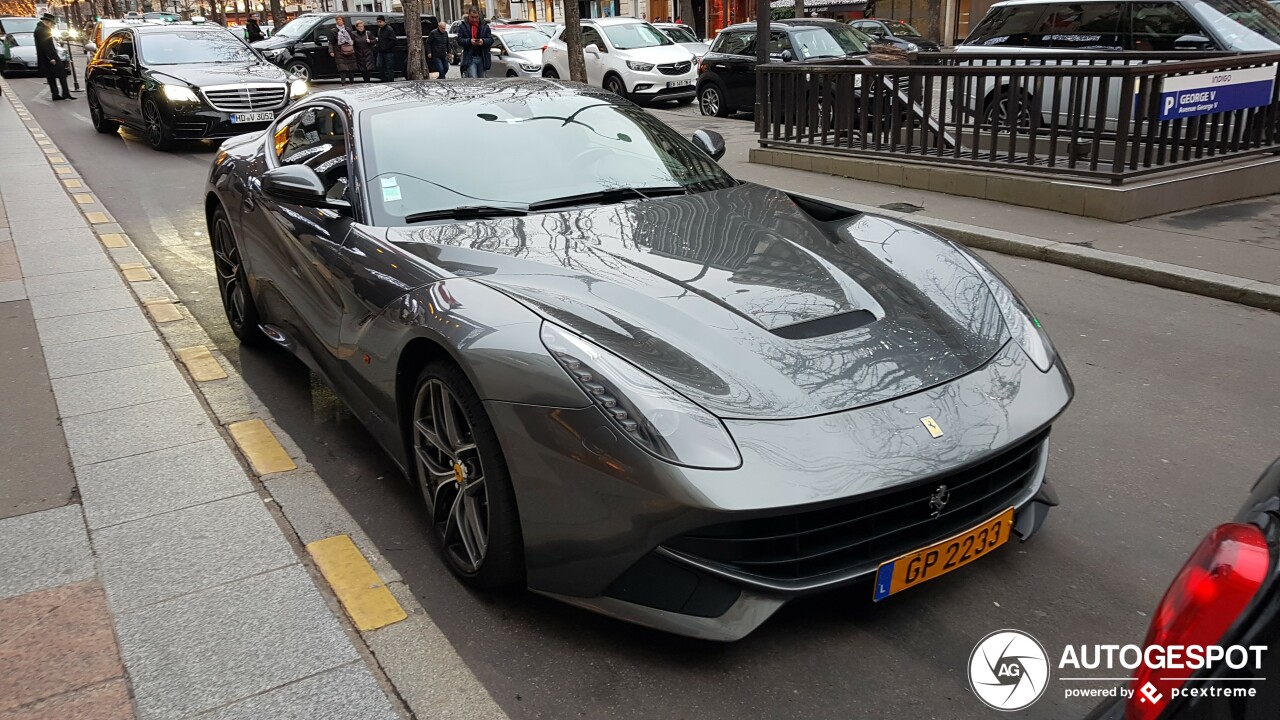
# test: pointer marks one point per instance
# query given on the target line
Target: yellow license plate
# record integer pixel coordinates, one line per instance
(942, 557)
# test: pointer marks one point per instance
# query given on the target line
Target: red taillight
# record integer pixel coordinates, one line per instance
(1215, 585)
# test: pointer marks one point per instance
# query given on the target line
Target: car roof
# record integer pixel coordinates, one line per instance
(777, 25)
(362, 97)
(611, 21)
(173, 27)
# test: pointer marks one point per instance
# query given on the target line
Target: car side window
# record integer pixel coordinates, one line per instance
(1010, 25)
(1080, 26)
(1157, 26)
(316, 137)
(778, 41)
(324, 30)
(736, 43)
(591, 36)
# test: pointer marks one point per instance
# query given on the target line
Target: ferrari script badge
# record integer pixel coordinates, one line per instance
(932, 426)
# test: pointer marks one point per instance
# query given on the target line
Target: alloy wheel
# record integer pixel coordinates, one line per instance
(151, 118)
(226, 259)
(614, 85)
(450, 474)
(709, 101)
(300, 70)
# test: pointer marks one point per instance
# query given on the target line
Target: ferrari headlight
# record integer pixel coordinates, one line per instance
(1023, 326)
(653, 415)
(298, 88)
(178, 93)
(639, 66)
(530, 67)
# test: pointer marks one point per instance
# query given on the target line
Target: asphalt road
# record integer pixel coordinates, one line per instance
(1176, 413)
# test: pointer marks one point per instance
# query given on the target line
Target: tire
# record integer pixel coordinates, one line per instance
(997, 114)
(615, 85)
(711, 100)
(233, 284)
(100, 122)
(159, 137)
(512, 73)
(463, 479)
(299, 68)
(550, 72)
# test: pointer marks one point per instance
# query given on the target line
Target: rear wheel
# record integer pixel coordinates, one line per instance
(463, 479)
(100, 122)
(233, 285)
(711, 100)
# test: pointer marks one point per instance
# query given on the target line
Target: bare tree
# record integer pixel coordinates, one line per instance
(277, 14)
(572, 37)
(799, 8)
(415, 62)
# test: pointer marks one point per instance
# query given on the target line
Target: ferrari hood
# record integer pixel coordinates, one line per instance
(739, 298)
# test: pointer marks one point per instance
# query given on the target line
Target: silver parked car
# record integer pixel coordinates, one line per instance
(517, 52)
(682, 35)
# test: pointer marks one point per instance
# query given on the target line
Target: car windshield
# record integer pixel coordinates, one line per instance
(580, 144)
(19, 25)
(1245, 25)
(811, 44)
(26, 39)
(181, 48)
(298, 26)
(681, 34)
(900, 29)
(850, 41)
(523, 40)
(632, 36)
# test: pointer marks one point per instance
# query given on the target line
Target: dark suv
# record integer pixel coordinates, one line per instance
(727, 73)
(301, 47)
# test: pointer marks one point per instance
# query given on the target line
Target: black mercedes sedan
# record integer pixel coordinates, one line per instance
(897, 33)
(628, 380)
(184, 82)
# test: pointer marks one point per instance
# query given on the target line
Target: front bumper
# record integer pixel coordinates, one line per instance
(653, 84)
(205, 123)
(599, 515)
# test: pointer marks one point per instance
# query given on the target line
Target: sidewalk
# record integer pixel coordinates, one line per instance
(1229, 251)
(142, 573)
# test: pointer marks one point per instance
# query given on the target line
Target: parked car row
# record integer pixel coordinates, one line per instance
(18, 46)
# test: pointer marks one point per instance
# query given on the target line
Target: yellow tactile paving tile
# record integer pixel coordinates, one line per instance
(162, 310)
(83, 198)
(97, 218)
(72, 184)
(362, 593)
(262, 449)
(57, 160)
(201, 363)
(135, 272)
(113, 240)
(63, 170)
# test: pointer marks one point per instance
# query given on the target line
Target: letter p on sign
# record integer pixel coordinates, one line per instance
(1169, 102)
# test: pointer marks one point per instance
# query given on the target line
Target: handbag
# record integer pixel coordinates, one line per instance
(348, 49)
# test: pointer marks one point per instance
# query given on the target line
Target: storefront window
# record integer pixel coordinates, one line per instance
(723, 13)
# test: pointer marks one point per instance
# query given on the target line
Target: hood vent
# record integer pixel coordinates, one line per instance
(821, 327)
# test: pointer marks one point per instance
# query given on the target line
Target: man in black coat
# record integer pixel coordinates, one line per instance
(438, 50)
(386, 49)
(51, 66)
(253, 31)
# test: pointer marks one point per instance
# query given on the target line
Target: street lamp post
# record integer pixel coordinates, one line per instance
(71, 59)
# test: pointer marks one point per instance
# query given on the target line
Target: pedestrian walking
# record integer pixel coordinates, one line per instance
(253, 31)
(342, 48)
(438, 50)
(386, 49)
(52, 68)
(476, 39)
(366, 44)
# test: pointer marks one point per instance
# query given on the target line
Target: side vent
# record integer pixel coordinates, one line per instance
(821, 211)
(826, 326)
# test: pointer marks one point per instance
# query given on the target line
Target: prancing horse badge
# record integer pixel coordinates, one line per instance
(932, 426)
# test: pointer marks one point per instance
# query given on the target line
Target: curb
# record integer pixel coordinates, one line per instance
(296, 497)
(1244, 291)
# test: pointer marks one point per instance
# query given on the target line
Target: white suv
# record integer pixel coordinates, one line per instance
(629, 57)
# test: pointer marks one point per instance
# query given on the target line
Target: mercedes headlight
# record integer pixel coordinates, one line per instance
(1023, 325)
(298, 88)
(639, 66)
(653, 415)
(530, 67)
(178, 93)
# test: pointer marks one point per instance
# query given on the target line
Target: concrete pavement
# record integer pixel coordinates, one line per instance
(1230, 252)
(145, 572)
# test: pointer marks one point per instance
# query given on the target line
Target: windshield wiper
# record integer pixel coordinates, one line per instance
(610, 195)
(466, 212)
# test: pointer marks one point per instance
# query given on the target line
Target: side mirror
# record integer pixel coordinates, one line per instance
(498, 52)
(91, 48)
(709, 142)
(591, 49)
(322, 39)
(1193, 42)
(122, 61)
(787, 56)
(300, 185)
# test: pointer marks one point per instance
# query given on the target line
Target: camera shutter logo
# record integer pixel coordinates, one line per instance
(1008, 670)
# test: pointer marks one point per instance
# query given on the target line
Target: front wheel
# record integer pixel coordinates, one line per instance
(550, 72)
(233, 285)
(463, 478)
(299, 69)
(711, 101)
(158, 135)
(614, 84)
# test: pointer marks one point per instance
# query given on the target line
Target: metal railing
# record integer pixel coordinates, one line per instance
(1095, 116)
